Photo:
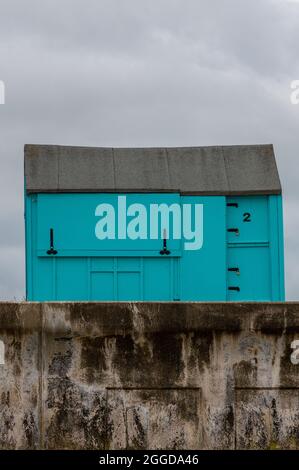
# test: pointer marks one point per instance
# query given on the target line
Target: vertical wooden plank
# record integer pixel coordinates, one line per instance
(276, 248)
(28, 247)
(281, 247)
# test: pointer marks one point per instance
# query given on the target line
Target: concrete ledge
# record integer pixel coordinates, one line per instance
(117, 317)
(149, 375)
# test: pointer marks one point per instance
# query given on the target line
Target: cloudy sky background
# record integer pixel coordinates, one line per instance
(145, 73)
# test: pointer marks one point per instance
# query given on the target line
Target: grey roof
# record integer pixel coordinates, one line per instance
(245, 169)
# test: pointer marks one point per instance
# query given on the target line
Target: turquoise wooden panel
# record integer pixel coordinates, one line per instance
(129, 286)
(71, 278)
(250, 218)
(276, 248)
(73, 220)
(203, 272)
(254, 225)
(129, 264)
(102, 286)
(253, 278)
(134, 279)
(158, 283)
(102, 264)
(43, 280)
(280, 293)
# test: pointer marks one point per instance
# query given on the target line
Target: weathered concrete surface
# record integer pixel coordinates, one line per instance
(149, 375)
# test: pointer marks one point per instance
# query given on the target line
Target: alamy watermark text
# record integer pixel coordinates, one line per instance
(295, 93)
(158, 221)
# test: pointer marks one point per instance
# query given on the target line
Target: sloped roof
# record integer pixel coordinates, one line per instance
(227, 170)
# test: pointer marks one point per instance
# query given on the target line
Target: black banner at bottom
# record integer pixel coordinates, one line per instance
(139, 459)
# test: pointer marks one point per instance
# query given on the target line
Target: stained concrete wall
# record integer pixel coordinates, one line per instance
(149, 375)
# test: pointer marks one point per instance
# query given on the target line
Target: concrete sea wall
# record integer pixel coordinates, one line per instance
(148, 375)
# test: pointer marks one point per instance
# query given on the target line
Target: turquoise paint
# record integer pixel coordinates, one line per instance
(255, 249)
(203, 272)
(280, 250)
(86, 268)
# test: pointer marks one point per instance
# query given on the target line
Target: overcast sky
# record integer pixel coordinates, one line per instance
(145, 73)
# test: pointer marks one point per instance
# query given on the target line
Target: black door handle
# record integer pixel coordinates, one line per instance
(165, 251)
(234, 270)
(234, 288)
(52, 251)
(233, 230)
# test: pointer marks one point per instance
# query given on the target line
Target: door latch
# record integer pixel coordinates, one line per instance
(234, 230)
(235, 270)
(165, 251)
(52, 251)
